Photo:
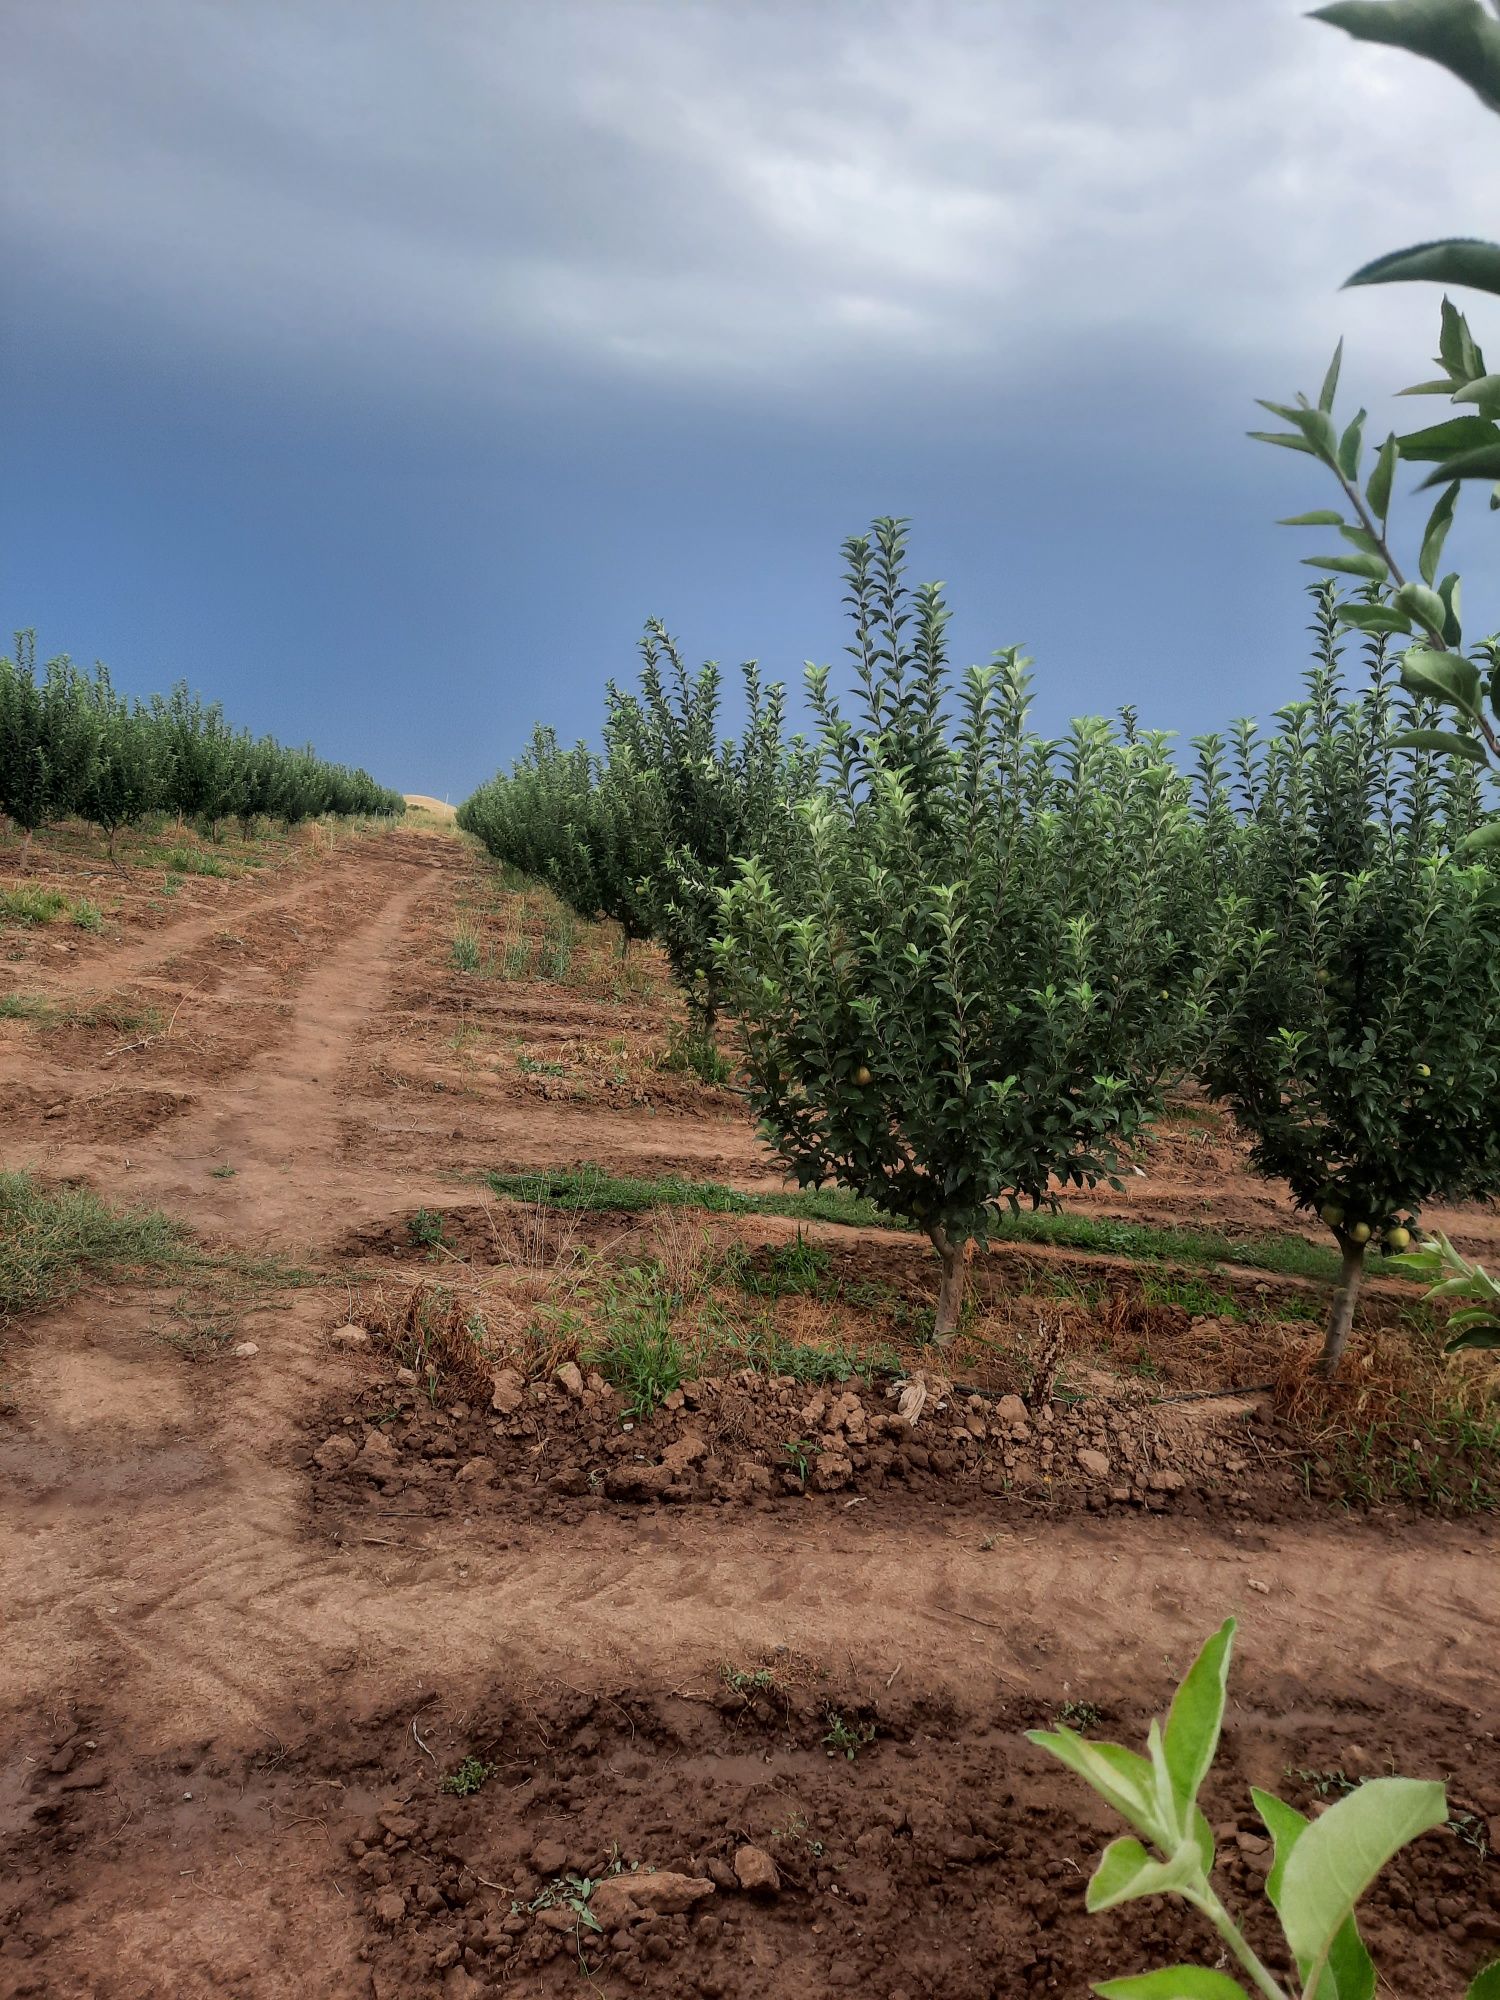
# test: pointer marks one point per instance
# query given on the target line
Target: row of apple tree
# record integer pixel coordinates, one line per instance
(964, 961)
(71, 747)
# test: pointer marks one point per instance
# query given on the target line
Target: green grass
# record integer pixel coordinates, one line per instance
(1190, 1295)
(188, 861)
(465, 951)
(52, 1238)
(32, 905)
(637, 1351)
(591, 1188)
(98, 1014)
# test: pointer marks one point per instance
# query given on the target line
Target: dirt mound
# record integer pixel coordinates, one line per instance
(568, 1445)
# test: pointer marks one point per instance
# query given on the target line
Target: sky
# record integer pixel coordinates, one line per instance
(379, 366)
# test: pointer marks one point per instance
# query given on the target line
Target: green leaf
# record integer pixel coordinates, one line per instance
(1485, 1985)
(1484, 391)
(1459, 34)
(1423, 604)
(1120, 1777)
(1282, 438)
(1285, 1825)
(1362, 539)
(1335, 1859)
(1451, 590)
(1482, 840)
(1453, 260)
(1443, 741)
(1443, 441)
(1191, 1736)
(1320, 517)
(1480, 462)
(1370, 567)
(1350, 446)
(1127, 1872)
(1180, 1982)
(1378, 492)
(1438, 524)
(1374, 618)
(1447, 676)
(1331, 380)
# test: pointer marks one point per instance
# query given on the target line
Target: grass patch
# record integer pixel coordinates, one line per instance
(30, 904)
(591, 1188)
(689, 1053)
(52, 1238)
(189, 861)
(47, 1013)
(637, 1351)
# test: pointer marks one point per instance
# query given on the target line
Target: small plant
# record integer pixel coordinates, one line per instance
(801, 1454)
(846, 1739)
(467, 1779)
(1079, 1715)
(465, 949)
(748, 1682)
(225, 1172)
(691, 1052)
(638, 1351)
(1320, 1870)
(425, 1229)
(87, 915)
(536, 1066)
(568, 1892)
(800, 1266)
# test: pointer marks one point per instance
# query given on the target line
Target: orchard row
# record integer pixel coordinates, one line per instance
(72, 748)
(964, 962)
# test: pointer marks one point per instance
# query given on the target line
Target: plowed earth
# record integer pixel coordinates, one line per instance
(313, 1682)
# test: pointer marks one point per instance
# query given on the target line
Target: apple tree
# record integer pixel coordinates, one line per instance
(1356, 1034)
(963, 983)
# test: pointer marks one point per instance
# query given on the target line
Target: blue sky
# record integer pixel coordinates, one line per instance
(379, 367)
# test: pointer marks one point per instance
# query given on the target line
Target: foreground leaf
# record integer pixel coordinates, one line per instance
(1337, 1857)
(1196, 1715)
(1183, 1982)
(1127, 1872)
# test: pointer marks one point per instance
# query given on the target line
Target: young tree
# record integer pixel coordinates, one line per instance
(125, 781)
(25, 771)
(1357, 1031)
(963, 982)
(707, 803)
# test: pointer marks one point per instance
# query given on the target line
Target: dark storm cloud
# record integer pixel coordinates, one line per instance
(746, 201)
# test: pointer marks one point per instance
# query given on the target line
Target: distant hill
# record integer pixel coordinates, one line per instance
(439, 808)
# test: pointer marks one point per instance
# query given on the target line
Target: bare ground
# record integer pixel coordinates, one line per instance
(233, 1676)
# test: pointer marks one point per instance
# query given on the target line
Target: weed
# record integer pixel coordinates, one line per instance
(790, 1269)
(171, 884)
(747, 1683)
(846, 1739)
(794, 1834)
(567, 1892)
(97, 1014)
(801, 1454)
(465, 950)
(638, 1352)
(29, 905)
(1079, 1715)
(558, 942)
(425, 1229)
(52, 1238)
(692, 1053)
(536, 1066)
(225, 1172)
(87, 915)
(467, 1779)
(190, 861)
(1471, 1830)
(1334, 1784)
(1189, 1295)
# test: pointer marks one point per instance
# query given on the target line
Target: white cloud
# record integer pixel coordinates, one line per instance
(766, 200)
